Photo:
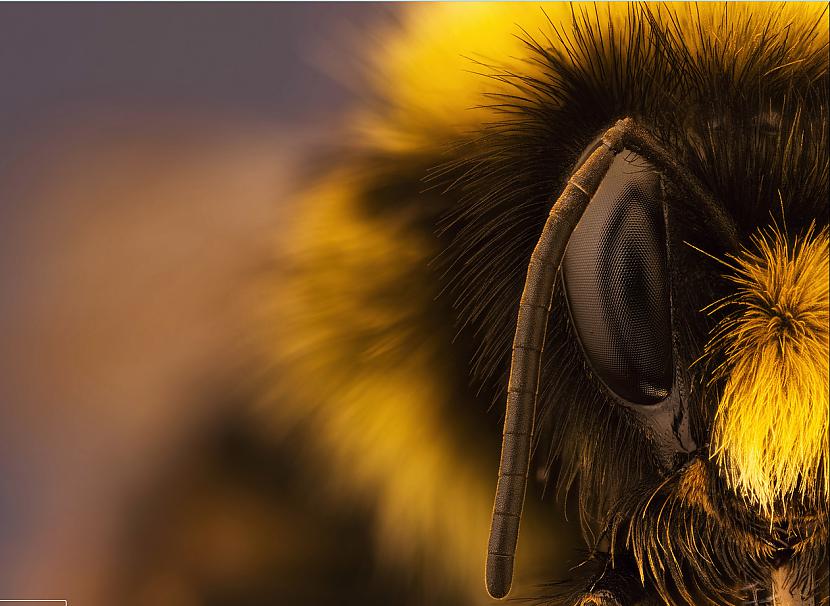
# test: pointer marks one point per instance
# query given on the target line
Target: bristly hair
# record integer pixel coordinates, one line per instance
(737, 93)
(693, 547)
(771, 428)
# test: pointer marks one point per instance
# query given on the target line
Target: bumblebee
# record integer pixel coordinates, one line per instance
(614, 217)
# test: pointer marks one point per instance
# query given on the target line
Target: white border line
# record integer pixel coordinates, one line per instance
(64, 602)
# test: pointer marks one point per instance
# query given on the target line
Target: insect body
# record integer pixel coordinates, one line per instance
(631, 205)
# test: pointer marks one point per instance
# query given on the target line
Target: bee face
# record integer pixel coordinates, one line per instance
(689, 314)
(752, 335)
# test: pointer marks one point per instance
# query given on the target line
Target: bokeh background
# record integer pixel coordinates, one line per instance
(148, 155)
(146, 152)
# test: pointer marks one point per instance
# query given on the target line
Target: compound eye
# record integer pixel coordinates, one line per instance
(616, 284)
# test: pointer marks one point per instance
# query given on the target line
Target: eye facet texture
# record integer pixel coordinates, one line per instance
(616, 283)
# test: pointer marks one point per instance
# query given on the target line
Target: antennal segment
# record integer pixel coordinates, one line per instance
(528, 344)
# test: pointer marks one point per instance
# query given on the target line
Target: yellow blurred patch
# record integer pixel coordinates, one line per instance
(355, 367)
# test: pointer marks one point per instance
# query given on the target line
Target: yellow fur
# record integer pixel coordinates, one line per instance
(771, 429)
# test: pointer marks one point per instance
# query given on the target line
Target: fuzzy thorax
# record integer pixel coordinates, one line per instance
(770, 435)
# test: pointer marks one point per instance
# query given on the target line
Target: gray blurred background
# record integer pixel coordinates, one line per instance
(145, 155)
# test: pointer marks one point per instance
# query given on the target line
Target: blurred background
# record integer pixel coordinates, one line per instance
(148, 155)
(146, 152)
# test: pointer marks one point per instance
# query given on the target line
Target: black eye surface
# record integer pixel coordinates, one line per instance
(616, 284)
